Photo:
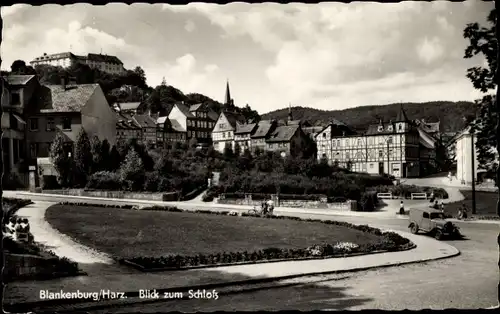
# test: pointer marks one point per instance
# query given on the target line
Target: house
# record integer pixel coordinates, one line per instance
(67, 108)
(169, 132)
(104, 63)
(127, 107)
(286, 140)
(242, 135)
(263, 131)
(196, 120)
(398, 147)
(142, 126)
(17, 93)
(127, 128)
(225, 127)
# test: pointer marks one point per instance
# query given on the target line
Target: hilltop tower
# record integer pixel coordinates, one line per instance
(290, 116)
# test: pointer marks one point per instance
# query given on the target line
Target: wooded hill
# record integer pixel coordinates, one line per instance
(449, 113)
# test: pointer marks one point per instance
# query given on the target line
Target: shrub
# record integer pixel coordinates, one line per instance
(152, 181)
(50, 183)
(11, 181)
(368, 201)
(132, 171)
(207, 197)
(105, 180)
(11, 205)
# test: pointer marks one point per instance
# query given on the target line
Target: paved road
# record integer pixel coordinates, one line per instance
(468, 281)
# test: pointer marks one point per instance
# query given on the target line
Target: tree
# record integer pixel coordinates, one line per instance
(114, 159)
(228, 151)
(193, 143)
(83, 158)
(20, 67)
(96, 151)
(106, 158)
(482, 41)
(237, 149)
(132, 171)
(61, 161)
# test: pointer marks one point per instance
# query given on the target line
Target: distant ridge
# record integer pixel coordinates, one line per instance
(449, 113)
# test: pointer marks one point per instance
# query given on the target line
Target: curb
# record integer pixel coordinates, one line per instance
(27, 306)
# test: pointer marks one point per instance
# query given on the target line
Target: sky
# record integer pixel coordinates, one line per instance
(328, 56)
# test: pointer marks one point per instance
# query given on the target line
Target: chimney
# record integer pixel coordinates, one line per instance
(63, 83)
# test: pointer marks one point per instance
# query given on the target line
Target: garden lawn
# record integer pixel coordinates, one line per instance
(127, 233)
(486, 204)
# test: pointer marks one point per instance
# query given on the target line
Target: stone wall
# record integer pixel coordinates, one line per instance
(347, 206)
(23, 265)
(161, 197)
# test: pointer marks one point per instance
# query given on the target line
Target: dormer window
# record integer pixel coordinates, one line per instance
(400, 127)
(389, 128)
(380, 128)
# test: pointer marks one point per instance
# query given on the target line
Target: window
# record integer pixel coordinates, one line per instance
(66, 123)
(34, 124)
(34, 150)
(380, 154)
(371, 166)
(223, 134)
(400, 127)
(380, 128)
(359, 142)
(338, 143)
(426, 215)
(333, 143)
(389, 128)
(389, 140)
(16, 99)
(347, 155)
(51, 124)
(324, 135)
(391, 152)
(188, 122)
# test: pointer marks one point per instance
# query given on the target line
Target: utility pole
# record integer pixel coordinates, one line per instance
(388, 162)
(473, 157)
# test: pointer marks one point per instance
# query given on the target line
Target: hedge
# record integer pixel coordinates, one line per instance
(285, 197)
(406, 190)
(368, 202)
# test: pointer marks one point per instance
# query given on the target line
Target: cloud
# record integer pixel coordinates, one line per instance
(190, 26)
(430, 50)
(11, 10)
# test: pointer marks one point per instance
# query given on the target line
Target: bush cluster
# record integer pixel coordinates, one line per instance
(406, 190)
(11, 181)
(368, 202)
(12, 205)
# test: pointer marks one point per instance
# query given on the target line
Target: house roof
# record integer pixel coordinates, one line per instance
(245, 128)
(56, 98)
(312, 129)
(283, 133)
(195, 107)
(144, 120)
(18, 79)
(124, 106)
(104, 58)
(176, 126)
(184, 109)
(263, 128)
(234, 118)
(429, 127)
(161, 120)
(373, 129)
(402, 117)
(213, 115)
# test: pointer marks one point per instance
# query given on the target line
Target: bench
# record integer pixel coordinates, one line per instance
(384, 195)
(418, 196)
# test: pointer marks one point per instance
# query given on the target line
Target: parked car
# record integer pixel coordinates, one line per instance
(433, 222)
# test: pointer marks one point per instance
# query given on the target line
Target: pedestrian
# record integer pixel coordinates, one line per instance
(270, 205)
(402, 208)
(441, 204)
(432, 197)
(436, 206)
(449, 176)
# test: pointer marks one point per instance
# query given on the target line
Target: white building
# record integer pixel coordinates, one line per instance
(105, 63)
(464, 157)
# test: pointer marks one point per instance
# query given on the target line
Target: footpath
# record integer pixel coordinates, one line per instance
(26, 295)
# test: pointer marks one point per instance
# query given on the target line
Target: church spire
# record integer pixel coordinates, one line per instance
(227, 100)
(290, 116)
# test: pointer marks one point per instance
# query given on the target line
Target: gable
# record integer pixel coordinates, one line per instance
(223, 124)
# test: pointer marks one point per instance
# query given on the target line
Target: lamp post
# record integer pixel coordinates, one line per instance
(473, 156)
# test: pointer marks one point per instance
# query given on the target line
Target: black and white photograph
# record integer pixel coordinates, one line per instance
(203, 157)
